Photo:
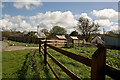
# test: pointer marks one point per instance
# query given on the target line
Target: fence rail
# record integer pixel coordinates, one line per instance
(68, 72)
(76, 57)
(54, 42)
(98, 65)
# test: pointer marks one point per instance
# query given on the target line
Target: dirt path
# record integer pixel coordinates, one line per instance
(13, 48)
(5, 47)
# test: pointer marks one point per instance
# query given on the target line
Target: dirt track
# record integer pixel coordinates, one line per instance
(5, 47)
(12, 48)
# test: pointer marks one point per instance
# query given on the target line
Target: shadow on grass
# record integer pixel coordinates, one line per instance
(35, 63)
(30, 61)
(45, 68)
(46, 71)
(23, 72)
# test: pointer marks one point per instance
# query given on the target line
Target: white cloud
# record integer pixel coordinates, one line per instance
(104, 23)
(7, 25)
(21, 26)
(114, 28)
(14, 19)
(47, 20)
(50, 19)
(85, 16)
(110, 14)
(31, 4)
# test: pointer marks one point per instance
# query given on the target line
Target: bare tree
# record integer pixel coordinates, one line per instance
(86, 27)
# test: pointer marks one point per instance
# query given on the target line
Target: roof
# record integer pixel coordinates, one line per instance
(74, 37)
(81, 37)
(40, 35)
(97, 39)
(61, 36)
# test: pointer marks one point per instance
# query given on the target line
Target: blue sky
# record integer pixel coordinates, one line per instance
(76, 8)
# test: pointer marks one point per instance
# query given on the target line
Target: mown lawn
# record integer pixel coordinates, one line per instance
(15, 64)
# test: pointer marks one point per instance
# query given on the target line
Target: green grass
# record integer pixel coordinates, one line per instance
(81, 70)
(13, 43)
(19, 64)
(13, 62)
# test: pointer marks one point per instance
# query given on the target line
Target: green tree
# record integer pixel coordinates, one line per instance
(45, 31)
(31, 34)
(86, 27)
(74, 33)
(58, 30)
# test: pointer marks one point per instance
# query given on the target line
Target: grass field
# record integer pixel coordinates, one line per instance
(20, 64)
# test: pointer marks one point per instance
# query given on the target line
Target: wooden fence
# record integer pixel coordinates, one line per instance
(98, 65)
(25, 39)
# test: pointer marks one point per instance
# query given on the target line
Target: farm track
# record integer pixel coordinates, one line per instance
(3, 45)
(6, 47)
(13, 48)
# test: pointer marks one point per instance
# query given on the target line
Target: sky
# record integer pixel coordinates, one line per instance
(26, 16)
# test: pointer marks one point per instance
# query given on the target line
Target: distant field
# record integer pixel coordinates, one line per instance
(13, 62)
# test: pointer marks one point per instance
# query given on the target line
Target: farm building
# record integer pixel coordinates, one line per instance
(40, 34)
(75, 39)
(72, 39)
(81, 39)
(97, 40)
(59, 41)
(61, 37)
(112, 42)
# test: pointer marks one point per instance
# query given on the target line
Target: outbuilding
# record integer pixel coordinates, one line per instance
(97, 40)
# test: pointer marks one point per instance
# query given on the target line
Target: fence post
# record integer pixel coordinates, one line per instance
(45, 52)
(73, 43)
(98, 64)
(78, 43)
(39, 45)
